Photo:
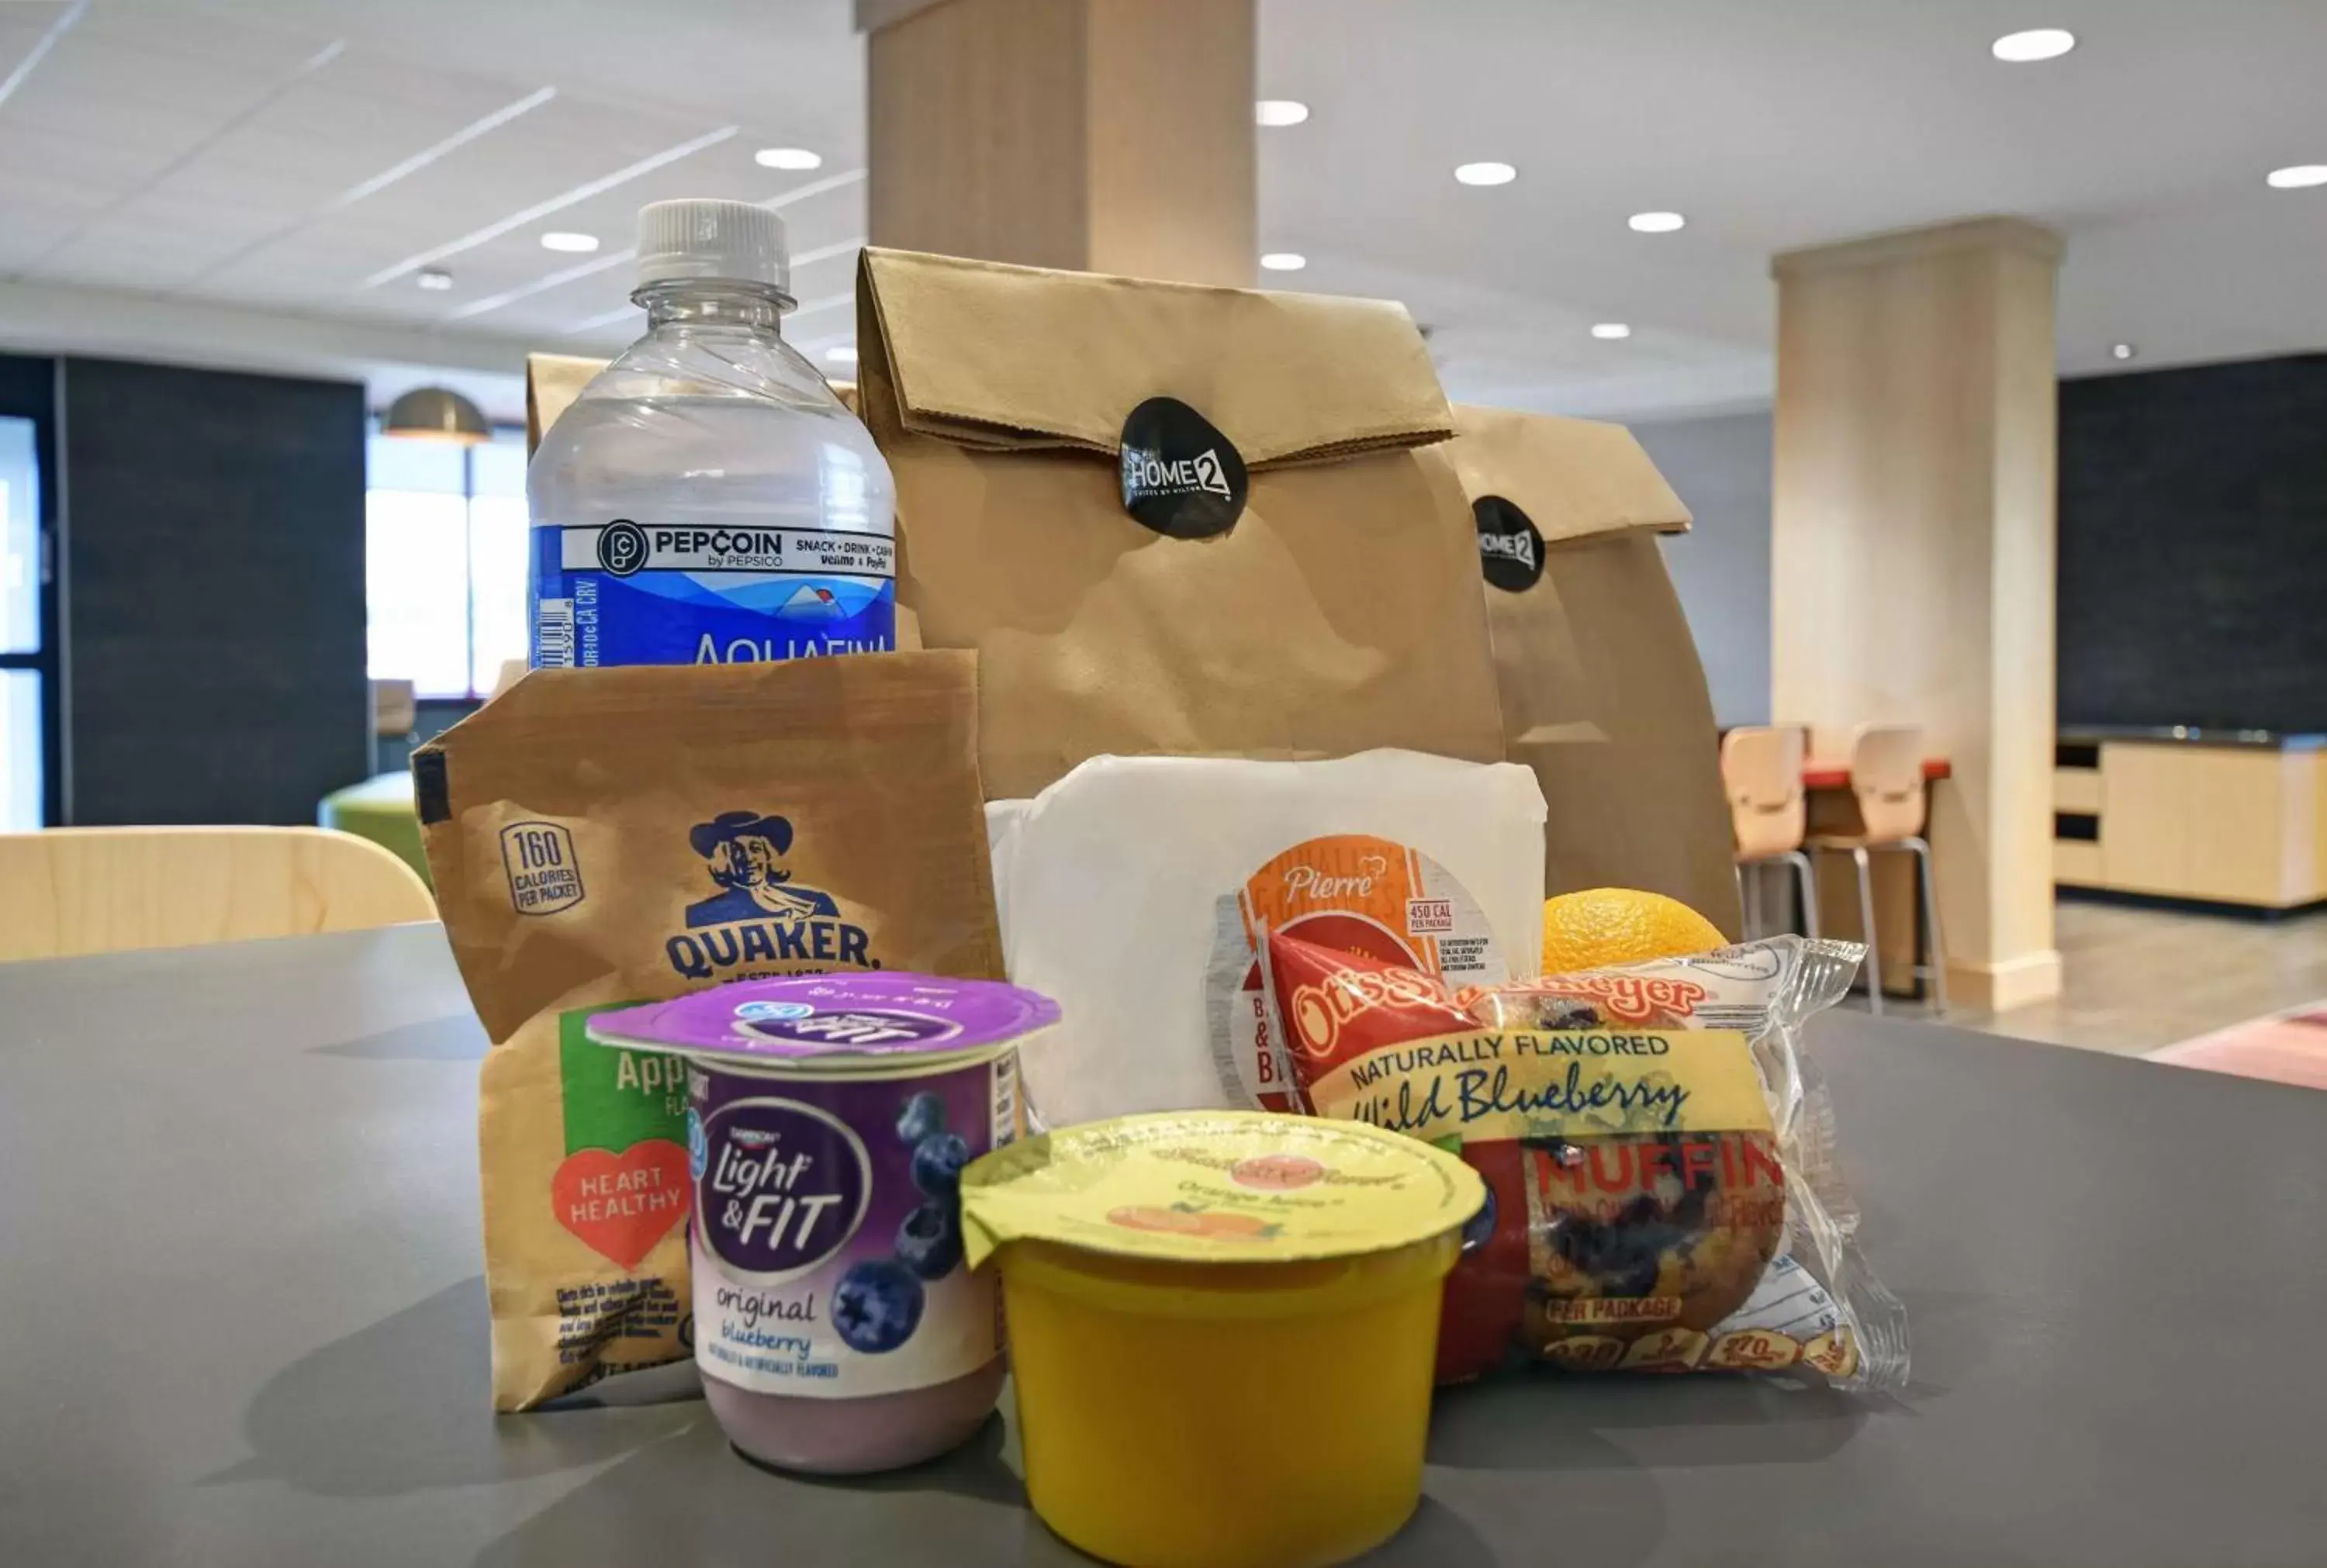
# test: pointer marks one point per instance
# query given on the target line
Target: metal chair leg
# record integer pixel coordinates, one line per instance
(1873, 964)
(1745, 903)
(1806, 881)
(1922, 849)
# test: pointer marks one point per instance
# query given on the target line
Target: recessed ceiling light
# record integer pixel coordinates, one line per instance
(433, 277)
(787, 158)
(2036, 43)
(841, 354)
(566, 239)
(1279, 112)
(1655, 222)
(2122, 351)
(1485, 173)
(2295, 176)
(1284, 261)
(1610, 330)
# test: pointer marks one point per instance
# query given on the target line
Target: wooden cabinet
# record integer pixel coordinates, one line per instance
(2146, 800)
(2240, 825)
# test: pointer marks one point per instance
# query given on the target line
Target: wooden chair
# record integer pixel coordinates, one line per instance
(1887, 775)
(71, 891)
(1761, 770)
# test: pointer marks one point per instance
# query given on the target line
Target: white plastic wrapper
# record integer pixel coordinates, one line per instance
(1132, 890)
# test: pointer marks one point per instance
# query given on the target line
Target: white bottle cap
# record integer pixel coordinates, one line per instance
(701, 238)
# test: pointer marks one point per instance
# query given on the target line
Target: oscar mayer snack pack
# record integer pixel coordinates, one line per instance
(1657, 1159)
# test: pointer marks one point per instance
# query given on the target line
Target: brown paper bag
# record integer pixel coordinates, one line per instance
(606, 836)
(1302, 586)
(1603, 694)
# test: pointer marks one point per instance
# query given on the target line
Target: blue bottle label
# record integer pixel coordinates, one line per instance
(629, 593)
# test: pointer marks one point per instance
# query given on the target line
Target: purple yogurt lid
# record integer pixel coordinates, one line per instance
(820, 1017)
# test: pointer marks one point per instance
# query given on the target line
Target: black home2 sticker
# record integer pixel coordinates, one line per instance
(1510, 551)
(1180, 477)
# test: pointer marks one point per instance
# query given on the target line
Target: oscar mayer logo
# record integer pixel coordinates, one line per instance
(1633, 998)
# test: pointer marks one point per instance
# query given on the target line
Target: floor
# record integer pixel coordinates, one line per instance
(2136, 979)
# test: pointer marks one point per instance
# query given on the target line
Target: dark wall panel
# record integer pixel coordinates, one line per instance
(2193, 547)
(215, 537)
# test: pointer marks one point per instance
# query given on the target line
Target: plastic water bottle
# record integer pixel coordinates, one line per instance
(707, 498)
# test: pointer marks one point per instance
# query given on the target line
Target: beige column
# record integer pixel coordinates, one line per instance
(1111, 135)
(1912, 552)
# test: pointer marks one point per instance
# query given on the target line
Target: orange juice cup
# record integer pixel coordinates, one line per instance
(1222, 1327)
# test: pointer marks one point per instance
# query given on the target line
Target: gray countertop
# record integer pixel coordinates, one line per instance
(241, 1323)
(2196, 736)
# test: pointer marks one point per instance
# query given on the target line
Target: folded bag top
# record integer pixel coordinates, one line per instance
(1174, 518)
(1572, 478)
(1016, 358)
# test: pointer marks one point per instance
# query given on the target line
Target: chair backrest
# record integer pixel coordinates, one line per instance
(394, 707)
(70, 890)
(1761, 770)
(1886, 774)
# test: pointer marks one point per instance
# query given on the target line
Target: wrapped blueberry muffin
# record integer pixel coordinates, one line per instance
(1654, 1203)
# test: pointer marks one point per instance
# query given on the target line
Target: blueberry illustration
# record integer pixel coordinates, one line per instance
(877, 1305)
(922, 1118)
(929, 1241)
(938, 1160)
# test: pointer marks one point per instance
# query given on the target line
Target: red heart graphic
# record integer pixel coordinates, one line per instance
(622, 1204)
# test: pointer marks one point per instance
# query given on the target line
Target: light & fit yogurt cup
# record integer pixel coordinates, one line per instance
(829, 1117)
(1222, 1325)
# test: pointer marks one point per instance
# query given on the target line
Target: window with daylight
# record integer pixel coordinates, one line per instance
(445, 562)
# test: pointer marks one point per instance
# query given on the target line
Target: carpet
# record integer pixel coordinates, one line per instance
(2285, 1048)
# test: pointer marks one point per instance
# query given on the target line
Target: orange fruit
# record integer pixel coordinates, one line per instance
(1609, 926)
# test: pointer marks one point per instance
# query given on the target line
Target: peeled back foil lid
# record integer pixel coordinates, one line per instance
(1217, 1187)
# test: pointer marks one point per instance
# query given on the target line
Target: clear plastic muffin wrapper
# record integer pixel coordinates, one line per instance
(1816, 1308)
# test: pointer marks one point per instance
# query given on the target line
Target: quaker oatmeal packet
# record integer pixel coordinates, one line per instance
(604, 838)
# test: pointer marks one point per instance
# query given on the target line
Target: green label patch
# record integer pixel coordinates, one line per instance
(615, 1099)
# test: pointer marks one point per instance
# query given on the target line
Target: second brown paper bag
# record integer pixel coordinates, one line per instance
(1603, 694)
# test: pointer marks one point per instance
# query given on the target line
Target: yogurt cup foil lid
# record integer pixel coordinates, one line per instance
(833, 1021)
(1218, 1187)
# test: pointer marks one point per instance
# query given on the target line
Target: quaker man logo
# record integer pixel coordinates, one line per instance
(759, 916)
(745, 853)
(1180, 477)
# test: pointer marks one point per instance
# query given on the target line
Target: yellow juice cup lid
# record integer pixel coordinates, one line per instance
(1217, 1187)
